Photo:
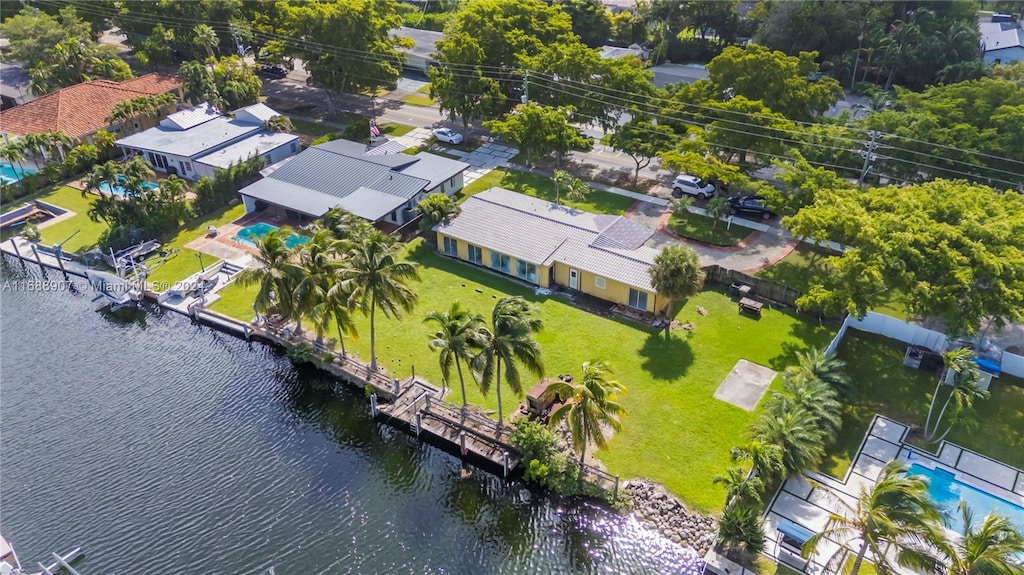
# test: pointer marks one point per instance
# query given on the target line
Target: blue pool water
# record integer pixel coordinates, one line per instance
(249, 234)
(947, 492)
(11, 174)
(119, 191)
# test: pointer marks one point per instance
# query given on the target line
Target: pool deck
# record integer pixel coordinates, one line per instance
(803, 500)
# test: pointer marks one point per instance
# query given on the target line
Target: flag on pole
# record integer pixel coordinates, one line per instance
(374, 130)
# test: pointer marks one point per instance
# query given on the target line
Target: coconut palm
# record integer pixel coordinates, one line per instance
(740, 529)
(108, 172)
(13, 152)
(794, 429)
(459, 334)
(33, 144)
(509, 342)
(992, 548)
(716, 208)
(765, 459)
(378, 280)
(676, 274)
(740, 486)
(205, 38)
(574, 188)
(589, 404)
(277, 275)
(317, 261)
(816, 364)
(343, 225)
(895, 518)
(964, 392)
(58, 140)
(334, 307)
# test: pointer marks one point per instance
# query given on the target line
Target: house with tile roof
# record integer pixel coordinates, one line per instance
(197, 141)
(547, 245)
(379, 187)
(82, 110)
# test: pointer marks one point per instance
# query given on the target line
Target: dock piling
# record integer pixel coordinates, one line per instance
(504, 463)
(462, 442)
(418, 424)
(373, 404)
(35, 252)
(17, 252)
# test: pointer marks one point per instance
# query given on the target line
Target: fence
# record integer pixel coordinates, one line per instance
(763, 289)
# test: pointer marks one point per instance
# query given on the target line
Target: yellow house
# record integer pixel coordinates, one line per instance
(549, 245)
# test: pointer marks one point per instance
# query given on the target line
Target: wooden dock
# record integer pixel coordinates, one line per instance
(421, 408)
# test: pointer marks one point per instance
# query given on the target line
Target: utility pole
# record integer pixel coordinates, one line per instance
(869, 156)
(526, 87)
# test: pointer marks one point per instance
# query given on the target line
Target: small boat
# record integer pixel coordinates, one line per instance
(9, 564)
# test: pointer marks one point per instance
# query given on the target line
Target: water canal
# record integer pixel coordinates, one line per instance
(165, 447)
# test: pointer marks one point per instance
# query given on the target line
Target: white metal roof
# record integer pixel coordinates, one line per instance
(256, 144)
(191, 117)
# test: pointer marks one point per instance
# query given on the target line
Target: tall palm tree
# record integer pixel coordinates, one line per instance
(459, 334)
(205, 38)
(335, 307)
(589, 403)
(739, 486)
(33, 144)
(795, 430)
(343, 225)
(765, 458)
(317, 262)
(108, 172)
(508, 342)
(676, 274)
(820, 400)
(379, 280)
(276, 275)
(992, 548)
(816, 364)
(58, 140)
(964, 391)
(895, 514)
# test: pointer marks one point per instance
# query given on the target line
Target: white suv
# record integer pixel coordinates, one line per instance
(693, 186)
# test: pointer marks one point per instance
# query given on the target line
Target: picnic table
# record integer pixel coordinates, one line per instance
(751, 306)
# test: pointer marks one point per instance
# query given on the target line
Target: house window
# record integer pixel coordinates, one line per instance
(451, 246)
(476, 255)
(501, 262)
(294, 147)
(526, 271)
(186, 167)
(151, 157)
(451, 182)
(638, 299)
(599, 282)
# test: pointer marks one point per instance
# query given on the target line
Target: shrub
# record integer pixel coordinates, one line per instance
(31, 232)
(534, 440)
(300, 353)
(740, 529)
(327, 138)
(357, 130)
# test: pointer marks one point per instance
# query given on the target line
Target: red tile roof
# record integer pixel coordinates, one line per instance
(81, 109)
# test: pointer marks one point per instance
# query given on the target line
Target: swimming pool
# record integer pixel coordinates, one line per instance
(947, 492)
(249, 234)
(119, 191)
(10, 174)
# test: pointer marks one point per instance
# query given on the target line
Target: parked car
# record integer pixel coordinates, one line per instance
(448, 136)
(750, 205)
(693, 186)
(275, 72)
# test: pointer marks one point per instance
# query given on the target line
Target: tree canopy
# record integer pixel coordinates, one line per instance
(539, 130)
(954, 250)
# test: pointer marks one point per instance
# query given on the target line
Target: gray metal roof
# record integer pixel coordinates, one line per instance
(256, 144)
(339, 175)
(370, 204)
(290, 196)
(358, 150)
(540, 232)
(437, 169)
(191, 142)
(675, 73)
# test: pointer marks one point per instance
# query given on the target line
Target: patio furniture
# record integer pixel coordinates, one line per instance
(741, 289)
(750, 306)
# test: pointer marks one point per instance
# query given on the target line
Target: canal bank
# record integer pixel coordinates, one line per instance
(156, 442)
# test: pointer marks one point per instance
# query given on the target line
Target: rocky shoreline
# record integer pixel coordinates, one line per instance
(662, 511)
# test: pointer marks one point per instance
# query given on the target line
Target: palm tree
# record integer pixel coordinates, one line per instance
(794, 430)
(820, 400)
(816, 364)
(965, 391)
(589, 403)
(13, 152)
(108, 172)
(765, 459)
(58, 140)
(716, 208)
(740, 486)
(740, 528)
(277, 275)
(575, 189)
(279, 123)
(676, 274)
(335, 307)
(895, 514)
(459, 334)
(344, 225)
(33, 144)
(317, 262)
(436, 209)
(205, 38)
(509, 342)
(378, 280)
(992, 548)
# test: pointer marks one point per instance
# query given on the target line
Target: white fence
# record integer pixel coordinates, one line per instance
(913, 334)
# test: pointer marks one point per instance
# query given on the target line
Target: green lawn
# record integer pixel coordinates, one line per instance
(89, 232)
(312, 129)
(676, 433)
(419, 98)
(177, 265)
(804, 268)
(885, 386)
(395, 130)
(196, 227)
(703, 229)
(543, 187)
(236, 301)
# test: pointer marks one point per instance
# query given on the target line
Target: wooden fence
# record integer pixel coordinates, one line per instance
(763, 289)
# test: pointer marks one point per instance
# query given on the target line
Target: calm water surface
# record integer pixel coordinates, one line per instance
(165, 447)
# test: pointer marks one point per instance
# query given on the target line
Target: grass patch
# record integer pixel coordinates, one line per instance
(883, 385)
(767, 566)
(196, 227)
(676, 433)
(544, 188)
(312, 129)
(418, 100)
(702, 229)
(176, 266)
(395, 130)
(236, 301)
(89, 232)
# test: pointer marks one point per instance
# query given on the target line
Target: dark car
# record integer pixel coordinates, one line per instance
(275, 72)
(751, 206)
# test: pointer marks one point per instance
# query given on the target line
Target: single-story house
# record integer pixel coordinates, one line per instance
(1002, 40)
(82, 110)
(381, 188)
(195, 142)
(623, 51)
(420, 57)
(676, 73)
(547, 245)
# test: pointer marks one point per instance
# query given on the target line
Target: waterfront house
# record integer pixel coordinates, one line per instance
(549, 245)
(381, 188)
(82, 110)
(196, 141)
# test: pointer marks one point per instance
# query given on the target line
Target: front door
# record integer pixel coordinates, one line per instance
(574, 279)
